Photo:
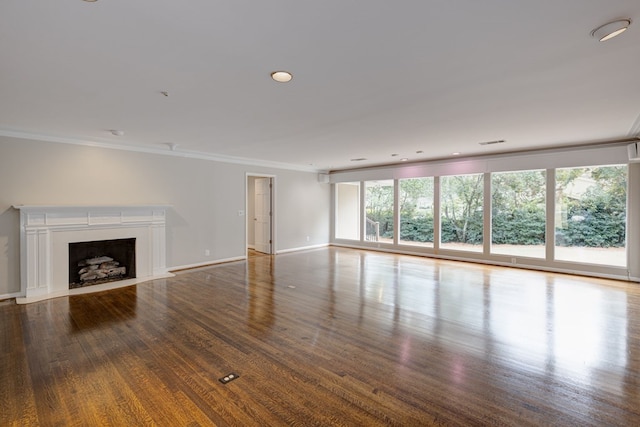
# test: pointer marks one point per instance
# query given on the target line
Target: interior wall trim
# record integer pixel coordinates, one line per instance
(153, 150)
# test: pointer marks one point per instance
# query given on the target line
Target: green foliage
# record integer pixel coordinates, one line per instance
(466, 230)
(518, 203)
(416, 222)
(520, 227)
(417, 229)
(598, 217)
(461, 206)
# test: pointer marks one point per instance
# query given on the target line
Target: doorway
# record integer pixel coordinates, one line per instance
(260, 214)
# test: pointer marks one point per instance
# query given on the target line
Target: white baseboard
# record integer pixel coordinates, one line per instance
(11, 295)
(206, 263)
(303, 248)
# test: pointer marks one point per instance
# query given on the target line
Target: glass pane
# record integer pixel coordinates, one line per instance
(518, 213)
(591, 210)
(347, 220)
(379, 211)
(461, 212)
(416, 211)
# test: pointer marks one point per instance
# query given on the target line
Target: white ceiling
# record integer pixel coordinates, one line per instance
(371, 77)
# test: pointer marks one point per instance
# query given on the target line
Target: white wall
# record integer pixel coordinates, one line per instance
(205, 197)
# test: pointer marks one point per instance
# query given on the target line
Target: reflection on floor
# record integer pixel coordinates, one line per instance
(252, 253)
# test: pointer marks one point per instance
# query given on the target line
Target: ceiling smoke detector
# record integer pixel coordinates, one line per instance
(608, 31)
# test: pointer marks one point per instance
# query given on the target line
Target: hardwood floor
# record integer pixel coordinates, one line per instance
(326, 337)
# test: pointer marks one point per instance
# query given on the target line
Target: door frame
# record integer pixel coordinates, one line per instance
(272, 222)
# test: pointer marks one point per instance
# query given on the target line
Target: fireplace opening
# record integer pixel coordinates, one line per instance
(92, 263)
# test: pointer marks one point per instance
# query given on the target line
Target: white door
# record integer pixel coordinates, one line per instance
(262, 217)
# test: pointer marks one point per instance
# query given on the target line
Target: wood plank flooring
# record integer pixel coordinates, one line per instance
(327, 337)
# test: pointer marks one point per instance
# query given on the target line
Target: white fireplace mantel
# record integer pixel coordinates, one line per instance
(46, 231)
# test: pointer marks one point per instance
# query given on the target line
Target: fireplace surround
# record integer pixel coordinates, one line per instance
(47, 231)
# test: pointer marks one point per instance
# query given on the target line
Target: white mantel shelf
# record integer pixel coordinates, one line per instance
(46, 231)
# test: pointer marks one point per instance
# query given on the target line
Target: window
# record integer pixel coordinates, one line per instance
(347, 220)
(461, 205)
(518, 213)
(591, 214)
(416, 211)
(379, 211)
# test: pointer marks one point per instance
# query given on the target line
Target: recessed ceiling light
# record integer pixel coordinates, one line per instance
(457, 153)
(419, 152)
(394, 155)
(116, 132)
(281, 76)
(90, 1)
(610, 30)
(359, 159)
(404, 159)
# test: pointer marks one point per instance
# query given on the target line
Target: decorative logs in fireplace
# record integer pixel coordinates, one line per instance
(95, 262)
(100, 268)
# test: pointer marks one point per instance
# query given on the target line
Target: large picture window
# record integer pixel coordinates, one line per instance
(590, 217)
(518, 213)
(416, 211)
(461, 212)
(566, 219)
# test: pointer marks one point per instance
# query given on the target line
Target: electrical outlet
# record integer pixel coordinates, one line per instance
(229, 377)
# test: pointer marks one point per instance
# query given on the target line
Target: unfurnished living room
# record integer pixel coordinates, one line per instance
(319, 213)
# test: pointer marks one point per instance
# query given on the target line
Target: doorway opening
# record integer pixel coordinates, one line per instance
(260, 214)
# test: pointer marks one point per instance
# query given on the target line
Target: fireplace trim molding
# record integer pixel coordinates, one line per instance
(44, 229)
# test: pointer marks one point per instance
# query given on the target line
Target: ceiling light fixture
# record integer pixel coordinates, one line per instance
(282, 76)
(404, 159)
(116, 132)
(608, 31)
(457, 153)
